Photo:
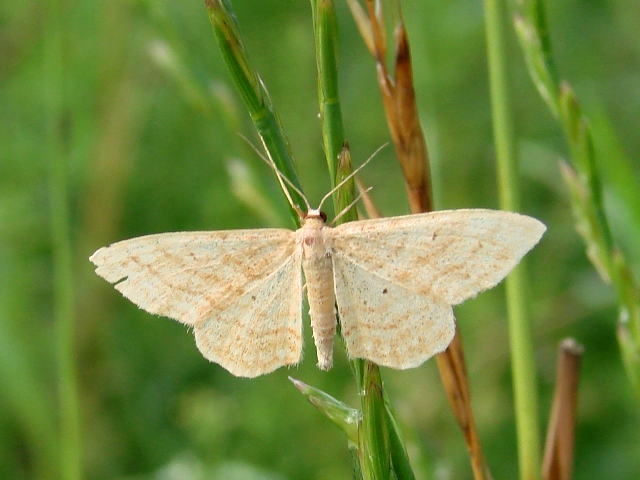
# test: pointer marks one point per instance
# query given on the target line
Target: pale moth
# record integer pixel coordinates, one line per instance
(394, 281)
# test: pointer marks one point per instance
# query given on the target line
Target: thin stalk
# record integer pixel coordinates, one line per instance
(70, 444)
(374, 437)
(253, 92)
(558, 457)
(326, 36)
(401, 109)
(522, 360)
(373, 441)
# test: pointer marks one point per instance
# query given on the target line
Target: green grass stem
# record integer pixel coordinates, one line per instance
(326, 36)
(253, 92)
(374, 436)
(373, 442)
(522, 359)
(70, 446)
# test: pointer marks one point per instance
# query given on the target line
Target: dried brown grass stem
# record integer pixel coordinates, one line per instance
(399, 100)
(558, 455)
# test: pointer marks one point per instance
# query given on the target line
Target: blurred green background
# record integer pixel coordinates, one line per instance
(150, 123)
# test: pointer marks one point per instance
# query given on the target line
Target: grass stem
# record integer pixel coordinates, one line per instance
(522, 359)
(70, 444)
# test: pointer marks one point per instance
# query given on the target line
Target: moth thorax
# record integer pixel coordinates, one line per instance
(312, 237)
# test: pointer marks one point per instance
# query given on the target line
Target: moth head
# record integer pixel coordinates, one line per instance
(314, 213)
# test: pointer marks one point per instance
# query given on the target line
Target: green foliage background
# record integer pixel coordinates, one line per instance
(151, 141)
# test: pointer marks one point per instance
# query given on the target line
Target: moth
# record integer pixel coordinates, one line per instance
(394, 281)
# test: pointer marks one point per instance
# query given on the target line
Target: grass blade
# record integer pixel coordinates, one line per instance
(343, 416)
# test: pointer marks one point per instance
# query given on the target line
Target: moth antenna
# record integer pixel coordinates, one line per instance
(349, 177)
(281, 178)
(348, 207)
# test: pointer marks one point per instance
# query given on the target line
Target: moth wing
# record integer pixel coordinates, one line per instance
(200, 278)
(260, 330)
(386, 323)
(448, 256)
